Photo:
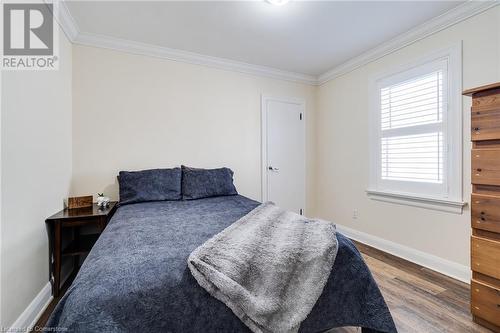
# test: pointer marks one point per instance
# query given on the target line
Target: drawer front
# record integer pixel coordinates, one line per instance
(485, 302)
(485, 255)
(79, 223)
(491, 100)
(485, 124)
(486, 166)
(485, 212)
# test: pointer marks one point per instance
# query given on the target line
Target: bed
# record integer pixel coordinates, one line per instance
(136, 278)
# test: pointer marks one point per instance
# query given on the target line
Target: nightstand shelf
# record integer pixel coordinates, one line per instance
(79, 244)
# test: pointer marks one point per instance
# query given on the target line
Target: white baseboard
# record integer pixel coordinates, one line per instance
(443, 266)
(32, 313)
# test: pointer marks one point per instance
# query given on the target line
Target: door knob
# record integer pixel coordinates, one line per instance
(273, 169)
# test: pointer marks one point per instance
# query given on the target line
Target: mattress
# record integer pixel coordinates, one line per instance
(136, 279)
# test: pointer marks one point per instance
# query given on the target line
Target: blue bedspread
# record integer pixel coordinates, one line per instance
(136, 278)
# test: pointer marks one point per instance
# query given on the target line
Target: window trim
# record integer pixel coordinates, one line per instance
(452, 200)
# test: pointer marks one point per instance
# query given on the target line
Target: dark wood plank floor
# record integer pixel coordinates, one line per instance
(420, 300)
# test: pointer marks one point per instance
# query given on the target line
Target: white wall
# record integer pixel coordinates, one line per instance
(133, 112)
(343, 145)
(36, 174)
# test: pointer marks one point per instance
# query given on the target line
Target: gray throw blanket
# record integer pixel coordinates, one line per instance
(269, 267)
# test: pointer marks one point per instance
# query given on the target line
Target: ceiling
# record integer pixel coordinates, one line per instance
(307, 37)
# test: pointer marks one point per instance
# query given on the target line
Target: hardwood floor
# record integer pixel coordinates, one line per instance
(420, 300)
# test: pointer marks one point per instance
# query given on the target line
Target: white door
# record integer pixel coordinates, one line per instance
(283, 153)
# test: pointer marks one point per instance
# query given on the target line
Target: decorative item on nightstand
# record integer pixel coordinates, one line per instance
(80, 202)
(485, 205)
(102, 201)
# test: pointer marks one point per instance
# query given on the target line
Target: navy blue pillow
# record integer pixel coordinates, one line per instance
(205, 183)
(150, 185)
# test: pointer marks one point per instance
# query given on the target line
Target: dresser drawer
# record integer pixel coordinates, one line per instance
(485, 212)
(488, 101)
(485, 123)
(485, 302)
(486, 166)
(485, 256)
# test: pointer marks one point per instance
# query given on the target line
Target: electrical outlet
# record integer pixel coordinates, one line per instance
(355, 214)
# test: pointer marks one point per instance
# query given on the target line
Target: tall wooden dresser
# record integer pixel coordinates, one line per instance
(485, 205)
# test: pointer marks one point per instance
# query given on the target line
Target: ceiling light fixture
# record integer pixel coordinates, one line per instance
(278, 2)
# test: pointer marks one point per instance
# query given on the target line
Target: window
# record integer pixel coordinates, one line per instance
(416, 135)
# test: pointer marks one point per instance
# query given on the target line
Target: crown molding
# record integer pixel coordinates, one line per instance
(64, 19)
(451, 17)
(134, 47)
(76, 36)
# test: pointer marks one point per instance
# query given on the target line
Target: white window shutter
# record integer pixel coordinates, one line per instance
(412, 145)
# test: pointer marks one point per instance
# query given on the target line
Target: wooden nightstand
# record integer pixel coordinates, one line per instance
(80, 244)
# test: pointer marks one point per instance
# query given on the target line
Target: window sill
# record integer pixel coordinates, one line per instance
(449, 206)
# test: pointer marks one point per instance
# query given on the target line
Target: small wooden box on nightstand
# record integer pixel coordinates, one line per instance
(79, 244)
